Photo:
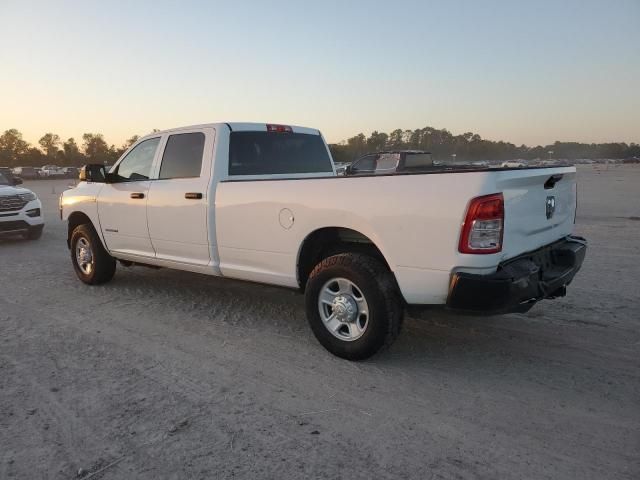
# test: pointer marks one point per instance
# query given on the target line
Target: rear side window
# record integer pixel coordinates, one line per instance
(418, 160)
(182, 156)
(267, 153)
(377, 163)
(366, 164)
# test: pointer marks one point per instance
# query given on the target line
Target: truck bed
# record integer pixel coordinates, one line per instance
(413, 218)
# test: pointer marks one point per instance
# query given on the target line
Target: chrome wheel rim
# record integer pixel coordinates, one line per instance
(343, 309)
(84, 256)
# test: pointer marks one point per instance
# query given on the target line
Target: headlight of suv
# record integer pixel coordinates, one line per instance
(28, 197)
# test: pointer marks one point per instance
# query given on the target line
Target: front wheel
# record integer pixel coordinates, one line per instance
(92, 263)
(353, 305)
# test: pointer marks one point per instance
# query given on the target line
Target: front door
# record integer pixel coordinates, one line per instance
(178, 205)
(122, 205)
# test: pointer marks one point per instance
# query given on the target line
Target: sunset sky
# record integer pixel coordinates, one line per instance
(525, 72)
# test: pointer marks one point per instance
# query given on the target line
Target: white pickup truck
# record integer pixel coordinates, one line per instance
(263, 203)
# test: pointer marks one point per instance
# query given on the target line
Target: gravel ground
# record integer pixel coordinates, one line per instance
(164, 374)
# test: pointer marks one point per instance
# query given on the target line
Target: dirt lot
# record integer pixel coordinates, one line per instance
(164, 374)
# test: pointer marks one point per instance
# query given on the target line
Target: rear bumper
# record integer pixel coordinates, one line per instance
(519, 282)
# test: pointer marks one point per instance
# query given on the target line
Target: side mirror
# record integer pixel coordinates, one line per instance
(93, 172)
(110, 178)
(16, 181)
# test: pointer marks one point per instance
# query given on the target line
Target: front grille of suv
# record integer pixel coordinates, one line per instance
(13, 226)
(11, 203)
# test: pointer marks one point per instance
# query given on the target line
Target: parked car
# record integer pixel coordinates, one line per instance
(20, 209)
(263, 203)
(631, 160)
(12, 177)
(70, 172)
(8, 173)
(390, 161)
(513, 164)
(48, 171)
(26, 173)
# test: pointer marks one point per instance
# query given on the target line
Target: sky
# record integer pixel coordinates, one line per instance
(524, 72)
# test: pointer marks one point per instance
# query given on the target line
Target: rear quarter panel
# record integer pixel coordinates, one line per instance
(413, 219)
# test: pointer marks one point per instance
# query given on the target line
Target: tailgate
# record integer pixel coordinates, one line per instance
(539, 207)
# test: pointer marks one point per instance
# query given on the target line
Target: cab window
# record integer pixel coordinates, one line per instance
(263, 153)
(182, 156)
(136, 166)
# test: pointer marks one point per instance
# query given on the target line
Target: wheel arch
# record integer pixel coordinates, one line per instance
(331, 240)
(80, 218)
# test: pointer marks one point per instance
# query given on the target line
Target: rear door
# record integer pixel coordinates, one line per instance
(539, 207)
(178, 205)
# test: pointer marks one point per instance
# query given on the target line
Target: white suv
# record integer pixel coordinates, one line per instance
(20, 210)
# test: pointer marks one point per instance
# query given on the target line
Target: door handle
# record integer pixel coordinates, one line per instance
(137, 195)
(193, 195)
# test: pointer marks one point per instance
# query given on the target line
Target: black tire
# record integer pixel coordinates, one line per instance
(34, 233)
(103, 264)
(377, 284)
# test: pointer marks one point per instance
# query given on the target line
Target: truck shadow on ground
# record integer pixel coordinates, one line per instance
(441, 339)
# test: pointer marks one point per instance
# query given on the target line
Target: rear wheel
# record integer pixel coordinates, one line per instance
(91, 262)
(353, 305)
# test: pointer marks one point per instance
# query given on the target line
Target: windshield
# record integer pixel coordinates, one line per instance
(4, 180)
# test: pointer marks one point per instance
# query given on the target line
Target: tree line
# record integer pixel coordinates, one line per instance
(93, 148)
(471, 147)
(17, 152)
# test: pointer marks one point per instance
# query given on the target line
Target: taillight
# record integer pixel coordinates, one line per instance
(279, 128)
(483, 226)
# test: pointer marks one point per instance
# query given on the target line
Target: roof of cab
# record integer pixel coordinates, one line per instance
(237, 127)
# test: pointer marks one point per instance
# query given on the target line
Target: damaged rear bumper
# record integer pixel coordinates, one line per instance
(519, 282)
